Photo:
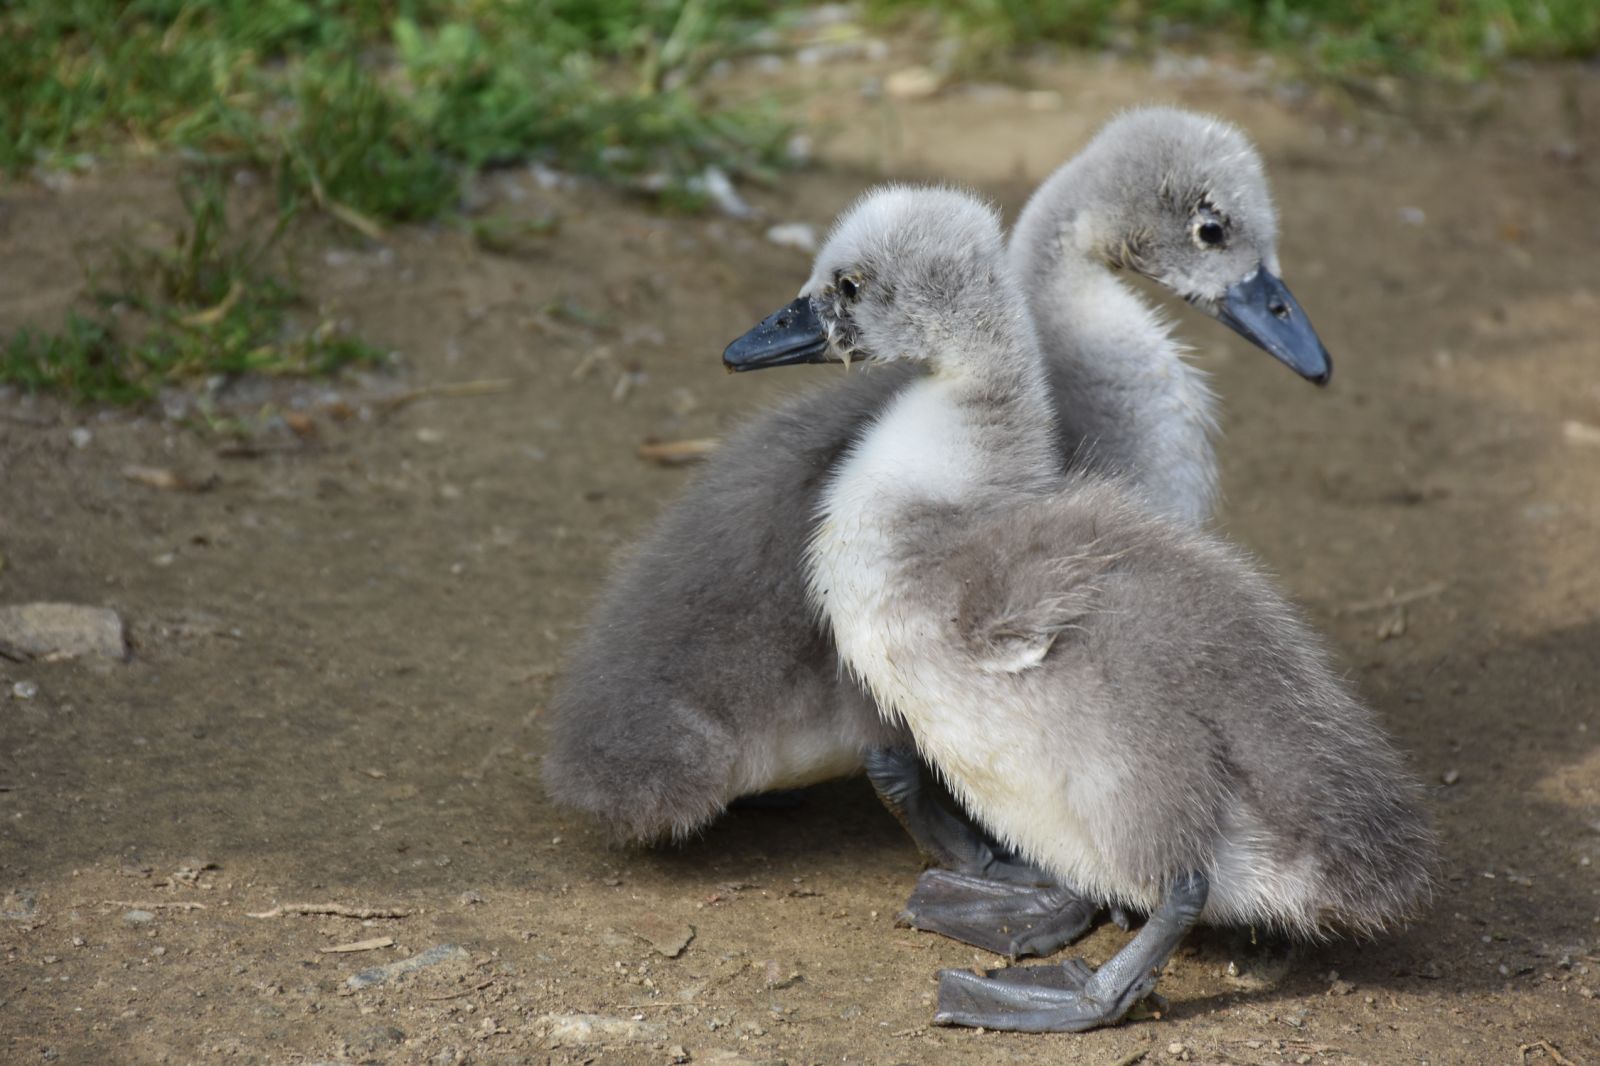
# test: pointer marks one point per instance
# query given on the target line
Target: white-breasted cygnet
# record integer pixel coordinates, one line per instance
(703, 676)
(1122, 698)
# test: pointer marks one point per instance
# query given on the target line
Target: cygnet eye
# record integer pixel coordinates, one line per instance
(1210, 233)
(850, 288)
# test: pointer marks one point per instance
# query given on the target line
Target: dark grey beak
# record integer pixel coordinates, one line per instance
(1263, 310)
(793, 335)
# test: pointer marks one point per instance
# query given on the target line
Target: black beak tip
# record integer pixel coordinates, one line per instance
(792, 334)
(1263, 311)
(1323, 372)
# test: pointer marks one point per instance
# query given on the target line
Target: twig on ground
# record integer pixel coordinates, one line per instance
(162, 905)
(485, 387)
(159, 477)
(677, 452)
(1394, 599)
(338, 910)
(589, 360)
(361, 945)
(363, 225)
(1545, 1046)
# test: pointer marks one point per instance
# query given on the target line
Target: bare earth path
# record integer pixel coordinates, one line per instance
(340, 651)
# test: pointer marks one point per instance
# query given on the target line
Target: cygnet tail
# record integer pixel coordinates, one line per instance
(646, 786)
(1380, 849)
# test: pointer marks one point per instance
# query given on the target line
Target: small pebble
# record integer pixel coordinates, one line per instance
(25, 690)
(1412, 216)
(80, 436)
(1580, 433)
(913, 83)
(1450, 777)
(800, 236)
(716, 186)
(378, 975)
(138, 917)
(1174, 1049)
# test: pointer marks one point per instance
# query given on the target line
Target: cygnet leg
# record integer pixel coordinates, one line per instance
(951, 842)
(983, 896)
(1071, 998)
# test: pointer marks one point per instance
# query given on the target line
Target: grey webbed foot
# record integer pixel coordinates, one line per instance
(1011, 920)
(1025, 999)
(1071, 997)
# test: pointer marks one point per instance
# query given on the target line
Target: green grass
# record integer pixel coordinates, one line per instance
(1450, 39)
(206, 303)
(370, 110)
(379, 106)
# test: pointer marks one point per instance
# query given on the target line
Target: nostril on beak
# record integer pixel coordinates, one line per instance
(783, 323)
(1279, 309)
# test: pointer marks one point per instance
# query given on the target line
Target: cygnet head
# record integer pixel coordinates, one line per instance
(1183, 200)
(904, 269)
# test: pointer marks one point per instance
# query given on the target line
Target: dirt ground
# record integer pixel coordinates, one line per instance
(340, 649)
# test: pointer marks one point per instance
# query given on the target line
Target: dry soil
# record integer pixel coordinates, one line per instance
(340, 646)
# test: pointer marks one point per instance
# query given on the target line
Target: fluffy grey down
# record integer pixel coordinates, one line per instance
(703, 676)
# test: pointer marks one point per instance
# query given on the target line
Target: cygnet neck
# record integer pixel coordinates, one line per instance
(985, 405)
(1131, 404)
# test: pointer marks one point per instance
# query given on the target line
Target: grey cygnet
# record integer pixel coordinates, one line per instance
(1120, 697)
